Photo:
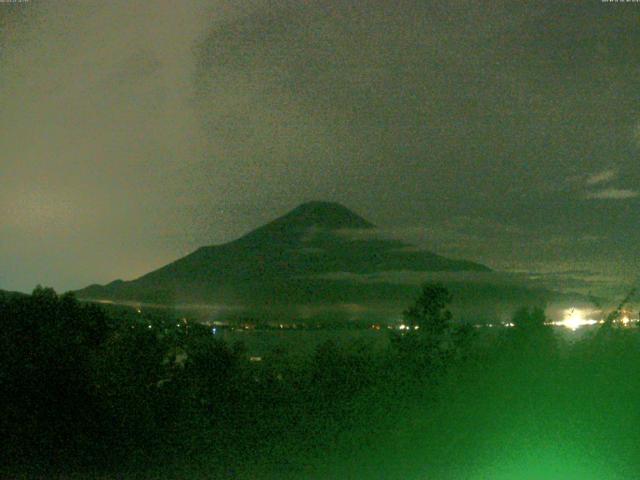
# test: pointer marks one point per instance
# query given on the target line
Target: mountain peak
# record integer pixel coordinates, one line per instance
(331, 215)
(308, 215)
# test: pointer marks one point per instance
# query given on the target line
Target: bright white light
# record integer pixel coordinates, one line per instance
(574, 319)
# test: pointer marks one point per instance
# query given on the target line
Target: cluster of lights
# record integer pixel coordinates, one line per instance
(625, 320)
(408, 327)
(575, 318)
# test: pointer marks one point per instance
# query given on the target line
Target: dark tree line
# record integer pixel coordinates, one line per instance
(84, 389)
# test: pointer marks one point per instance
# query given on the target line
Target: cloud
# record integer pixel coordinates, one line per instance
(601, 177)
(133, 132)
(97, 124)
(404, 277)
(613, 194)
(606, 176)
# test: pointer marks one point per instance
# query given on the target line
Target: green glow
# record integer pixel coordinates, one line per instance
(548, 463)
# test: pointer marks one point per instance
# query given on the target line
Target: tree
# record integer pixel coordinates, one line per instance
(526, 318)
(531, 336)
(46, 346)
(429, 313)
(428, 344)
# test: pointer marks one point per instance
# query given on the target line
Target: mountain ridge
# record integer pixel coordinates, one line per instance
(282, 261)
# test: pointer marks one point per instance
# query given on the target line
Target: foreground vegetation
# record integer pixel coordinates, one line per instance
(86, 394)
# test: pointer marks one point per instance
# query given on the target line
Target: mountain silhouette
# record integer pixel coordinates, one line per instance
(310, 255)
(4, 294)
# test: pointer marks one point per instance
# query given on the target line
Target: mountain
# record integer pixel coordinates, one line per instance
(4, 294)
(318, 253)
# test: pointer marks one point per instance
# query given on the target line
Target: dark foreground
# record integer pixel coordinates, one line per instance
(86, 394)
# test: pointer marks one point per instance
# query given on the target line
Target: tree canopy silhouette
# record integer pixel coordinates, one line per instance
(429, 312)
(529, 318)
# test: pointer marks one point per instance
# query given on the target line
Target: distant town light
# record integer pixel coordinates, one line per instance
(575, 318)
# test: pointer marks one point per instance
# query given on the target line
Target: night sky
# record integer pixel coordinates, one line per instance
(133, 132)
